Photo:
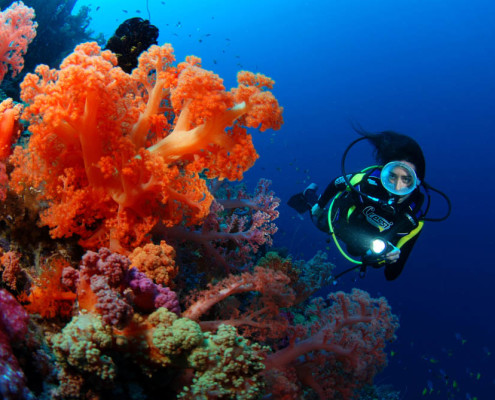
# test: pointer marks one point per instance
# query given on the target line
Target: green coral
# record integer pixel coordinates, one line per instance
(172, 335)
(81, 345)
(226, 367)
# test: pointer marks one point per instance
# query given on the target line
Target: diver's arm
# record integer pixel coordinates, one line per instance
(393, 270)
(337, 185)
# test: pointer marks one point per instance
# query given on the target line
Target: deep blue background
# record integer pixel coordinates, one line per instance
(425, 68)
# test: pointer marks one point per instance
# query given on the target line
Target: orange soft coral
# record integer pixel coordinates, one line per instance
(10, 267)
(157, 262)
(9, 126)
(104, 156)
(48, 297)
(17, 31)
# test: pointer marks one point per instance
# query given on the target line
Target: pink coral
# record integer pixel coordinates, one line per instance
(236, 227)
(262, 318)
(17, 30)
(351, 332)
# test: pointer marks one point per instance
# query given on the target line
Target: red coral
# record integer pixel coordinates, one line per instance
(104, 156)
(4, 180)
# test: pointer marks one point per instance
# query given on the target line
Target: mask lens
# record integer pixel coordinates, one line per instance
(398, 178)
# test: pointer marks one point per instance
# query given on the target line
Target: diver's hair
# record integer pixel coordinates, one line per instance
(393, 146)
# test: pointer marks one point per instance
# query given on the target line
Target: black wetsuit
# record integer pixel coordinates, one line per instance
(356, 221)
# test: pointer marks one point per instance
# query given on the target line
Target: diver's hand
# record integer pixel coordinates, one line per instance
(316, 211)
(392, 256)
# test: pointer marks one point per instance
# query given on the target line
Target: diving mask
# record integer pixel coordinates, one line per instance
(399, 178)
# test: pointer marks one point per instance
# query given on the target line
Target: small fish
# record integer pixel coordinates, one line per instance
(97, 8)
(162, 2)
(125, 11)
(460, 338)
(138, 11)
(444, 375)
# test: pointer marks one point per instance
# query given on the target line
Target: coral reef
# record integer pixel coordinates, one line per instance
(130, 266)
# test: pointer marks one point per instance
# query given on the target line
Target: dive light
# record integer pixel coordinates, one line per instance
(377, 250)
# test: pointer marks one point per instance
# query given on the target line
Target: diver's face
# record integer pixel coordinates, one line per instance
(400, 178)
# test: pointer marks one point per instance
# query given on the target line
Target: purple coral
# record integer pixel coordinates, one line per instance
(109, 277)
(13, 327)
(106, 273)
(149, 296)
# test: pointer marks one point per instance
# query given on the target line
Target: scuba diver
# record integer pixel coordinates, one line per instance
(379, 212)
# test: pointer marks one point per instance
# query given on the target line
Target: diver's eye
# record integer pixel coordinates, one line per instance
(392, 177)
(407, 180)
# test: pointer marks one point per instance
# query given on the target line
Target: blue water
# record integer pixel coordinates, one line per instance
(425, 68)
